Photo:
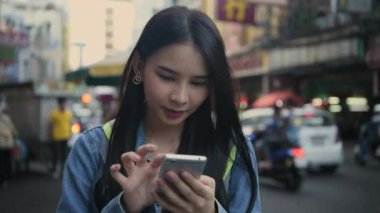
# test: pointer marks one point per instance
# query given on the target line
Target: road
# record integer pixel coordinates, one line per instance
(34, 192)
(350, 190)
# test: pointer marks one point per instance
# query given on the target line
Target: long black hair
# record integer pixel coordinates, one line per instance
(203, 133)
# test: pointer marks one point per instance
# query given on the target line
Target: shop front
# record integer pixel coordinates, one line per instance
(250, 69)
(326, 69)
(329, 71)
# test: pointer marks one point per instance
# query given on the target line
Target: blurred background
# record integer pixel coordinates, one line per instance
(322, 53)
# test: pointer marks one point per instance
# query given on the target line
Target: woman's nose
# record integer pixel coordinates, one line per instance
(180, 95)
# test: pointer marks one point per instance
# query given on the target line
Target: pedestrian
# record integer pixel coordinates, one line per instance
(176, 96)
(60, 132)
(7, 142)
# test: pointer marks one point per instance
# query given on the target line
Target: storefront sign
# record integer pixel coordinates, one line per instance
(275, 2)
(249, 64)
(311, 54)
(16, 39)
(235, 10)
(355, 6)
(7, 54)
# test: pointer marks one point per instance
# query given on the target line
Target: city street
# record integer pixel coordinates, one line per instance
(33, 192)
(350, 190)
(301, 77)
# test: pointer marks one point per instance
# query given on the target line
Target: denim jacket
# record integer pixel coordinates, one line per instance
(85, 165)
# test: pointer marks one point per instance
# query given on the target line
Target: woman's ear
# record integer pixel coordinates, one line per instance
(138, 66)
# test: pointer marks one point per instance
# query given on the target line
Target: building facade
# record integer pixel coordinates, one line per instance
(39, 57)
(323, 56)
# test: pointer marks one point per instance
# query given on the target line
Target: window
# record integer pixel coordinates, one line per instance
(109, 22)
(109, 34)
(109, 46)
(109, 11)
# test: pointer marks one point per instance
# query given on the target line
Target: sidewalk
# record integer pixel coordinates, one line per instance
(34, 191)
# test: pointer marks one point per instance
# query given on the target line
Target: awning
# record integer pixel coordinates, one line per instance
(270, 99)
(77, 75)
(94, 78)
(106, 72)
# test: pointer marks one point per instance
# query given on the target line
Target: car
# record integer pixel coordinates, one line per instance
(319, 136)
(315, 130)
(256, 121)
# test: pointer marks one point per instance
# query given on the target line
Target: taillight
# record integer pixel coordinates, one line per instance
(308, 115)
(75, 128)
(297, 152)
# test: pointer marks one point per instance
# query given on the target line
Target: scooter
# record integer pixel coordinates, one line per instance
(374, 153)
(277, 160)
(368, 139)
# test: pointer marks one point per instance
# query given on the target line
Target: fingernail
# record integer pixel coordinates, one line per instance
(183, 173)
(114, 167)
(161, 182)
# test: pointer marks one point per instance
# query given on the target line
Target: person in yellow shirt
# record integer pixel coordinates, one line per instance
(60, 124)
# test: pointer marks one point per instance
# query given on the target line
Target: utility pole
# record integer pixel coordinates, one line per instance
(80, 45)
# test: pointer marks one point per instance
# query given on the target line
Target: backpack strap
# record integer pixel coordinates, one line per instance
(230, 162)
(107, 128)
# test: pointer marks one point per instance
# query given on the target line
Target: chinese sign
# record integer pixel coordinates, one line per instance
(235, 10)
(254, 62)
(15, 39)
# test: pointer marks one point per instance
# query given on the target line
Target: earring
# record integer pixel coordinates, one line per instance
(137, 79)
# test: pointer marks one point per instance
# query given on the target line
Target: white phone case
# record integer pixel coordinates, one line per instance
(194, 164)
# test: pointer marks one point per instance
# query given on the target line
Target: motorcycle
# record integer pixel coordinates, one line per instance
(277, 160)
(368, 145)
(374, 153)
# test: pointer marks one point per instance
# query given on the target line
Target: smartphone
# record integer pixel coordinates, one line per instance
(194, 164)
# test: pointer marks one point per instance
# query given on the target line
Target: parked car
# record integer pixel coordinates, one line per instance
(313, 129)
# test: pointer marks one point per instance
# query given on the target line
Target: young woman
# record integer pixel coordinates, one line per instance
(176, 97)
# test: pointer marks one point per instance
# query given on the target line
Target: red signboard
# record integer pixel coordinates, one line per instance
(15, 39)
(235, 10)
(247, 61)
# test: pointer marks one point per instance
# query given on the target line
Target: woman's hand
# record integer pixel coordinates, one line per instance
(190, 194)
(142, 176)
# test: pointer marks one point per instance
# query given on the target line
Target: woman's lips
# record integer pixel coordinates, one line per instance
(173, 114)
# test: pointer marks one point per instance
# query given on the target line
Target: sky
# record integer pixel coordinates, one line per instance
(86, 25)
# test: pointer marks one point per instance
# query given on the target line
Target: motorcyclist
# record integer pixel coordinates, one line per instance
(369, 136)
(275, 133)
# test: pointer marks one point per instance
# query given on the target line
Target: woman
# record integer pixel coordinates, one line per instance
(176, 97)
(8, 134)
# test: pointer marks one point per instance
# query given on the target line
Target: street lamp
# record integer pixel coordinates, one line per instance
(80, 45)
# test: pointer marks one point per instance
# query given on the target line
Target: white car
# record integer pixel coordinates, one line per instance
(314, 129)
(319, 137)
(257, 120)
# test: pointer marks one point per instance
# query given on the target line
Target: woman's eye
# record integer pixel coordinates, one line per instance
(199, 83)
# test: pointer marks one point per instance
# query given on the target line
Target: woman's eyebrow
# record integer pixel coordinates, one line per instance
(201, 77)
(167, 69)
(171, 71)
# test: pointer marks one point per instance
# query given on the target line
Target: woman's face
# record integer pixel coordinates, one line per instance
(175, 84)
